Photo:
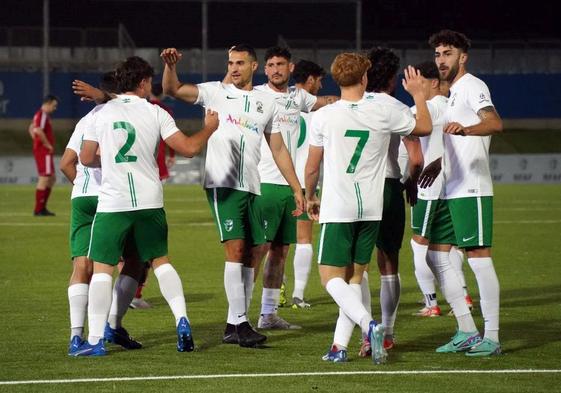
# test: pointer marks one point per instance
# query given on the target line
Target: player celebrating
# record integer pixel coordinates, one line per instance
(231, 177)
(127, 131)
(276, 201)
(43, 148)
(471, 120)
(308, 76)
(352, 136)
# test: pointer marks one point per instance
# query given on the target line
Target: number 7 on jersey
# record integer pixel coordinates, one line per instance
(362, 136)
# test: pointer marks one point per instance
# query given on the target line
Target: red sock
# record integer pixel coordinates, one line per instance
(40, 200)
(138, 293)
(47, 194)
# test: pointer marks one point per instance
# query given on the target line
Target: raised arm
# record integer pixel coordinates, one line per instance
(170, 82)
(491, 123)
(324, 100)
(87, 92)
(284, 163)
(190, 146)
(412, 83)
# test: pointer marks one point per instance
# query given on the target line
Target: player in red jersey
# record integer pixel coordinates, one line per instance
(43, 148)
(164, 163)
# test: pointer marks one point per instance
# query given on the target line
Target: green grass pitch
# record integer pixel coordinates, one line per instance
(34, 313)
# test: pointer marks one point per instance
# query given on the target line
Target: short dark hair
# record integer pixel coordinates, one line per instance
(50, 98)
(305, 68)
(428, 70)
(108, 83)
(385, 64)
(157, 89)
(245, 48)
(450, 38)
(131, 72)
(278, 51)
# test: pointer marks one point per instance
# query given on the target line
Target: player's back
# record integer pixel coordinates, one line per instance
(128, 130)
(355, 137)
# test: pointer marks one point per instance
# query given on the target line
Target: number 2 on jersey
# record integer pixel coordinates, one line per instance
(131, 136)
(362, 136)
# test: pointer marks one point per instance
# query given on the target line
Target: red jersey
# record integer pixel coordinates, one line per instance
(42, 120)
(161, 158)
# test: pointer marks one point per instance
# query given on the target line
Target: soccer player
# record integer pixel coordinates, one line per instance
(164, 162)
(232, 180)
(468, 188)
(308, 76)
(43, 149)
(86, 182)
(352, 137)
(276, 201)
(127, 131)
(381, 87)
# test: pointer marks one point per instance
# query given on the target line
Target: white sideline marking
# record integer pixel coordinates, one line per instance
(264, 375)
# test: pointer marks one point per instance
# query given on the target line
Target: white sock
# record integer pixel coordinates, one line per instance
(172, 290)
(425, 277)
(451, 289)
(489, 293)
(248, 276)
(78, 302)
(270, 300)
(123, 293)
(99, 303)
(365, 295)
(457, 260)
(302, 265)
(347, 299)
(235, 292)
(390, 289)
(344, 327)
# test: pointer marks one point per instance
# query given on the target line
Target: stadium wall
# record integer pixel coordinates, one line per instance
(517, 96)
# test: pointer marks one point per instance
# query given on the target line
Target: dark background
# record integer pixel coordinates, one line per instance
(174, 23)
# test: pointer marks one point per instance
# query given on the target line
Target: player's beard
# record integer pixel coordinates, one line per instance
(279, 84)
(452, 72)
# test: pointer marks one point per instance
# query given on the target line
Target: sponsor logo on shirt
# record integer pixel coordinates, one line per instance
(231, 98)
(243, 122)
(473, 190)
(483, 98)
(453, 100)
(228, 225)
(287, 119)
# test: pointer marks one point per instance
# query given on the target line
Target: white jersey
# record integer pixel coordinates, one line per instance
(303, 146)
(289, 106)
(466, 158)
(392, 171)
(432, 145)
(128, 130)
(355, 137)
(234, 150)
(88, 180)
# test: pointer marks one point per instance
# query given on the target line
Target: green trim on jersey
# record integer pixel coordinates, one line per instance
(242, 151)
(303, 130)
(132, 189)
(86, 180)
(246, 104)
(360, 209)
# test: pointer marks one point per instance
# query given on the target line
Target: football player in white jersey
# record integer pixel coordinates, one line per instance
(468, 188)
(232, 180)
(276, 201)
(422, 214)
(308, 76)
(86, 182)
(381, 87)
(126, 131)
(352, 137)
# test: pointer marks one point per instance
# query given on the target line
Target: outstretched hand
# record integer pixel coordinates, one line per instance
(412, 81)
(430, 173)
(86, 92)
(171, 56)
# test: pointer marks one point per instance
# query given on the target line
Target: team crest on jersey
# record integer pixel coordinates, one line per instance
(259, 106)
(228, 225)
(453, 100)
(482, 98)
(265, 224)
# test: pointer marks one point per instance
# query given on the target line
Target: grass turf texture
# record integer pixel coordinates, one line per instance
(34, 332)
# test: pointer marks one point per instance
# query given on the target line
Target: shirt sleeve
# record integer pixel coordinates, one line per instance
(91, 132)
(39, 120)
(478, 96)
(316, 135)
(167, 124)
(206, 92)
(75, 142)
(399, 122)
(308, 101)
(273, 125)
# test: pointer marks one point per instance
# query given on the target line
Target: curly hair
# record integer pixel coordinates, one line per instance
(450, 38)
(348, 68)
(428, 69)
(131, 72)
(385, 64)
(304, 68)
(277, 51)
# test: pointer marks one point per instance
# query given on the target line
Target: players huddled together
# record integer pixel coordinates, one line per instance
(265, 146)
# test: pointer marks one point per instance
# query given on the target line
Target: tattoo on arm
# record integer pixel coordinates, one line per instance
(486, 112)
(412, 137)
